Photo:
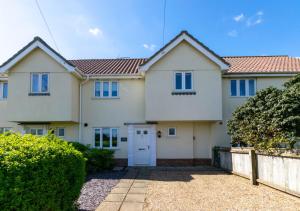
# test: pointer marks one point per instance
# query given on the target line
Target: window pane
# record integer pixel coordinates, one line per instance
(105, 89)
(114, 89)
(44, 82)
(172, 131)
(251, 87)
(114, 134)
(35, 83)
(105, 137)
(188, 80)
(242, 88)
(33, 131)
(97, 137)
(5, 90)
(178, 81)
(1, 130)
(233, 87)
(97, 89)
(61, 132)
(40, 132)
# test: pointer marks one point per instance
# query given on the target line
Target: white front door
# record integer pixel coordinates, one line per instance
(141, 146)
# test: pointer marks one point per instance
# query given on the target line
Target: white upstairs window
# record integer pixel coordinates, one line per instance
(3, 90)
(106, 89)
(183, 81)
(242, 87)
(39, 82)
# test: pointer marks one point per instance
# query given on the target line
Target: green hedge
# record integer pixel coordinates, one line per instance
(39, 173)
(97, 159)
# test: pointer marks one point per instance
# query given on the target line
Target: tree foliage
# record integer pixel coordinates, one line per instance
(270, 119)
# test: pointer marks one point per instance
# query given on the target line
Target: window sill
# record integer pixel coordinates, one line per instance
(241, 96)
(38, 94)
(105, 98)
(183, 93)
(109, 148)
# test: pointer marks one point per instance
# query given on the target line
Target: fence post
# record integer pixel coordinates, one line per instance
(253, 172)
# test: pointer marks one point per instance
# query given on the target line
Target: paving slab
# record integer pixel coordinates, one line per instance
(135, 197)
(123, 185)
(138, 190)
(111, 206)
(139, 185)
(132, 206)
(120, 190)
(115, 197)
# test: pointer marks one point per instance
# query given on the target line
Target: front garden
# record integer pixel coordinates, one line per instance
(45, 172)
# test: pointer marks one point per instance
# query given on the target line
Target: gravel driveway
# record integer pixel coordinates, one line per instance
(96, 188)
(212, 190)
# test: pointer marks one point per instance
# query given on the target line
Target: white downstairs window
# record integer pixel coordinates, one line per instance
(5, 129)
(39, 82)
(106, 137)
(242, 87)
(36, 131)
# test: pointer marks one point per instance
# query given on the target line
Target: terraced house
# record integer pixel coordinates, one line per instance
(171, 108)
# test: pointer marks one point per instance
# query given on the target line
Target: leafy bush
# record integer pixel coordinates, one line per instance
(270, 119)
(97, 159)
(39, 173)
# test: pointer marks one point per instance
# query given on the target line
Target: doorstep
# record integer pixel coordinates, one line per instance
(129, 194)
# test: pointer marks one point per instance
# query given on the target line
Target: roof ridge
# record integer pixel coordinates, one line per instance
(257, 56)
(106, 59)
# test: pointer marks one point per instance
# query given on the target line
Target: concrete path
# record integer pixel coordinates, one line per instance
(129, 194)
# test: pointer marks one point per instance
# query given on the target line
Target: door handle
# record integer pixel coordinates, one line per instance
(148, 147)
(141, 148)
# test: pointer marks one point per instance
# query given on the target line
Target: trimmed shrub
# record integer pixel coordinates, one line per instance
(97, 159)
(39, 173)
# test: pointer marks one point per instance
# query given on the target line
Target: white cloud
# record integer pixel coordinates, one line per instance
(95, 31)
(255, 19)
(232, 33)
(260, 13)
(239, 18)
(150, 47)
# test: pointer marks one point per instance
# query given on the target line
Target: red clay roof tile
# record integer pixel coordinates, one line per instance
(238, 64)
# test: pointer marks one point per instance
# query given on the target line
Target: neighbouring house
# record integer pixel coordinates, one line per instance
(169, 109)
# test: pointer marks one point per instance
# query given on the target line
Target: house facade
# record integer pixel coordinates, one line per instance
(169, 109)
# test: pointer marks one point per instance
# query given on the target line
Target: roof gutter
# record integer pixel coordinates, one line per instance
(236, 75)
(80, 106)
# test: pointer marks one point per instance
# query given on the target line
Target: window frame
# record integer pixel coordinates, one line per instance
(183, 75)
(246, 87)
(40, 76)
(57, 131)
(110, 137)
(36, 131)
(109, 89)
(169, 135)
(5, 129)
(2, 90)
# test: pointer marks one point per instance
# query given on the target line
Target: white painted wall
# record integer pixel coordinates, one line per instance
(161, 105)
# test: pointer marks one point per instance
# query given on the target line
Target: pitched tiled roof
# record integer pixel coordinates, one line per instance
(238, 64)
(108, 66)
(263, 64)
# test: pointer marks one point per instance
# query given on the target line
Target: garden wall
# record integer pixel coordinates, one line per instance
(280, 172)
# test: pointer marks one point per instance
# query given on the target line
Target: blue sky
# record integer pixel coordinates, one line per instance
(133, 28)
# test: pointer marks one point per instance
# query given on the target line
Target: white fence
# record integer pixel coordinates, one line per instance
(280, 172)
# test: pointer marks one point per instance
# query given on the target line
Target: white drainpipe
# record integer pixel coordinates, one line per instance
(80, 107)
